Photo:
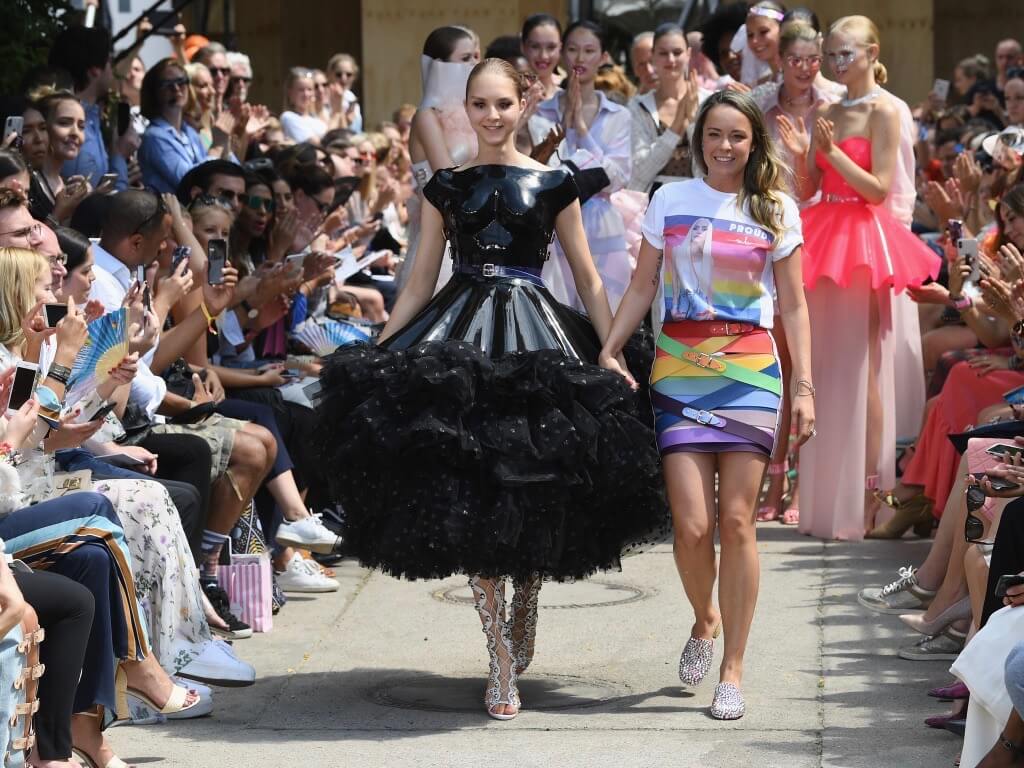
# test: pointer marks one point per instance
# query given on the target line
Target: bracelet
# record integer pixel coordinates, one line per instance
(211, 324)
(804, 388)
(961, 303)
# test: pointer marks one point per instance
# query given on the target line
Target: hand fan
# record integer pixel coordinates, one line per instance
(325, 337)
(106, 346)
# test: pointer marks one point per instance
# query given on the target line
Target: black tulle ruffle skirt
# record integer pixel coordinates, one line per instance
(447, 458)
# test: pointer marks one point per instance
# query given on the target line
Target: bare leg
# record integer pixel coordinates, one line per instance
(875, 413)
(690, 480)
(740, 476)
(951, 524)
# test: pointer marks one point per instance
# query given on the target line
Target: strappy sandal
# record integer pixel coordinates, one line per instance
(175, 702)
(767, 512)
(91, 762)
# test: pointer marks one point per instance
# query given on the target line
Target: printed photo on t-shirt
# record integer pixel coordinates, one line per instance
(714, 269)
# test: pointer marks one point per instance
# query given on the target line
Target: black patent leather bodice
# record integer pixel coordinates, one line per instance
(500, 214)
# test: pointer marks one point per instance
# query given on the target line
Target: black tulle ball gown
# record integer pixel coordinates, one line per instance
(482, 438)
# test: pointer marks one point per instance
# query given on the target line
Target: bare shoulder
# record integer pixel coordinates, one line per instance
(883, 114)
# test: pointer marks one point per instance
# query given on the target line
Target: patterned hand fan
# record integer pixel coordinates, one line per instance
(324, 337)
(106, 346)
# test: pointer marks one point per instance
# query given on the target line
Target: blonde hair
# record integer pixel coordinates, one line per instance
(19, 270)
(193, 111)
(613, 81)
(794, 32)
(765, 172)
(865, 30)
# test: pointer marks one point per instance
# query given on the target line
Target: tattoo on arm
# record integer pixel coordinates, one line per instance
(657, 272)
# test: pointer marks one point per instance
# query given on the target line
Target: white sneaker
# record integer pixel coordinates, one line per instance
(308, 533)
(216, 666)
(303, 575)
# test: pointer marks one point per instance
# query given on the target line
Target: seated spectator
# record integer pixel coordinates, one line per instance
(170, 147)
(342, 71)
(214, 56)
(219, 179)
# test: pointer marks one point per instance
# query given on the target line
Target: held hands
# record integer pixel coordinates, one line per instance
(617, 365)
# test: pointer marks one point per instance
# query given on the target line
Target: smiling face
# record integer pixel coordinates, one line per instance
(763, 38)
(211, 224)
(801, 63)
(1013, 225)
(202, 86)
(582, 54)
(66, 128)
(219, 69)
(671, 57)
(542, 48)
(727, 139)
(300, 94)
(494, 108)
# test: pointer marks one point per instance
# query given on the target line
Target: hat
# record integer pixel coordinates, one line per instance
(1006, 148)
(195, 43)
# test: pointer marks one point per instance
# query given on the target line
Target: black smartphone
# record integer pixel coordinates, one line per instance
(54, 313)
(1006, 581)
(1001, 483)
(217, 257)
(23, 386)
(147, 298)
(180, 253)
(164, 22)
(102, 411)
(124, 117)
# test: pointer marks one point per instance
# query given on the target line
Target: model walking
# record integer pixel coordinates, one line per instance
(480, 437)
(716, 386)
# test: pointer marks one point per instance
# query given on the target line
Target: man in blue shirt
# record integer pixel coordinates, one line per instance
(84, 52)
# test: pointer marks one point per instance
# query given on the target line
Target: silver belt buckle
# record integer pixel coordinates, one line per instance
(490, 270)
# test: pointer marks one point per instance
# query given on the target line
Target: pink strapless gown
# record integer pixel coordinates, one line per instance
(843, 233)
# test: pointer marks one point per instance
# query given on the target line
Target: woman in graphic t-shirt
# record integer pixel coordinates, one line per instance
(726, 241)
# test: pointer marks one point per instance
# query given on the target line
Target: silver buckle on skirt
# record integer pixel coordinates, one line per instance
(489, 270)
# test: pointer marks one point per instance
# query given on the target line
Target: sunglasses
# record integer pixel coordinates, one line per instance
(159, 213)
(177, 82)
(224, 200)
(1014, 73)
(222, 71)
(812, 62)
(256, 203)
(323, 207)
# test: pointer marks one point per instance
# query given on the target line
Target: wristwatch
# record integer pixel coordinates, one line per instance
(250, 311)
(59, 372)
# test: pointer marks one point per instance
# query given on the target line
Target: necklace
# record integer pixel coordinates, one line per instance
(873, 94)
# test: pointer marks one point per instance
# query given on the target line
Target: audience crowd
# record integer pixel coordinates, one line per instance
(239, 242)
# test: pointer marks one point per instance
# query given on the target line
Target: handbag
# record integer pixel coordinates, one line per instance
(249, 585)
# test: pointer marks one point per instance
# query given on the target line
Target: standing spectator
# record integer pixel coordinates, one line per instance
(1008, 56)
(171, 147)
(343, 70)
(85, 53)
(297, 120)
(214, 56)
(641, 55)
(969, 72)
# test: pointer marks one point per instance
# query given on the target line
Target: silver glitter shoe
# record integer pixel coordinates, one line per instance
(728, 703)
(695, 661)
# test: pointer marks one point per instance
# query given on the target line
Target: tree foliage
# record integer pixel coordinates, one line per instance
(29, 27)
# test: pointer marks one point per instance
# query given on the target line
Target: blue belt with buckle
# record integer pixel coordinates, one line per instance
(500, 270)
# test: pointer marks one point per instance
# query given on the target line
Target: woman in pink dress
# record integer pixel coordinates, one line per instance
(858, 257)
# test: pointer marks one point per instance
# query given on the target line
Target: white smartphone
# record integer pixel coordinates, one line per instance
(14, 124)
(941, 88)
(23, 386)
(967, 249)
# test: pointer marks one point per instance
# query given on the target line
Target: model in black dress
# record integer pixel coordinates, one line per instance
(479, 436)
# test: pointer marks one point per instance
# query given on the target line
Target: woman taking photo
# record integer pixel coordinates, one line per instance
(52, 197)
(716, 386)
(507, 487)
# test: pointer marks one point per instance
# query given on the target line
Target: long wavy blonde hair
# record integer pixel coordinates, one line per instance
(765, 173)
(19, 270)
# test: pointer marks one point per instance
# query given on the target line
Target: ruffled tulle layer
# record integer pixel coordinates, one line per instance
(840, 238)
(447, 460)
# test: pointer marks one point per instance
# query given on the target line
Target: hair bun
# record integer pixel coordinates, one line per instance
(881, 73)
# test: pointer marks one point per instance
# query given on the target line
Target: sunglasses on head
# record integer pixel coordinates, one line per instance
(224, 200)
(256, 203)
(158, 213)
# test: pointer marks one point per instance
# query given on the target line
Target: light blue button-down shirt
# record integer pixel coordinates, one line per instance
(166, 154)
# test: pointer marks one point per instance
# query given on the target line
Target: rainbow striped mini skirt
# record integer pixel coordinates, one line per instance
(716, 387)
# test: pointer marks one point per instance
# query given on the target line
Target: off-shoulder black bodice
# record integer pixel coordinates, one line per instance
(500, 214)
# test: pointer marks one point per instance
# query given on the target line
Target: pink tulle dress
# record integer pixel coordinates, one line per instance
(843, 233)
(856, 257)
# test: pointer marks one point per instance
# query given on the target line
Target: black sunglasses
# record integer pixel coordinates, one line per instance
(219, 70)
(974, 526)
(224, 201)
(174, 82)
(255, 202)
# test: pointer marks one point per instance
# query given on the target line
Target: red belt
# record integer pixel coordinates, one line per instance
(711, 328)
